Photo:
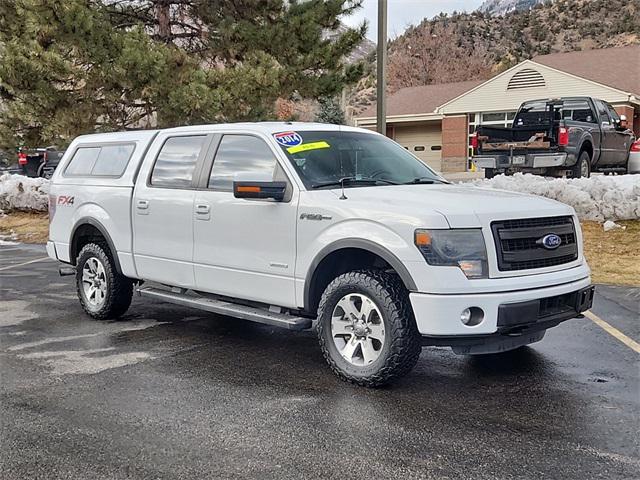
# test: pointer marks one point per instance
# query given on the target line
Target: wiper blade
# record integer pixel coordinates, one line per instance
(352, 180)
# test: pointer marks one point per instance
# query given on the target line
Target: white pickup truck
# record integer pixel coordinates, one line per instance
(287, 223)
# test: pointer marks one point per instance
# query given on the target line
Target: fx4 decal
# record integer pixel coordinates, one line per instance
(65, 200)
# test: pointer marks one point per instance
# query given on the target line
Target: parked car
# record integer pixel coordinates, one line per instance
(287, 223)
(39, 162)
(572, 135)
(634, 158)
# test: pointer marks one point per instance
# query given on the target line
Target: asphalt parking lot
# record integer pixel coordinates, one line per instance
(170, 392)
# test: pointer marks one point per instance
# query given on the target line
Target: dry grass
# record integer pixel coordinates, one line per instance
(26, 227)
(614, 256)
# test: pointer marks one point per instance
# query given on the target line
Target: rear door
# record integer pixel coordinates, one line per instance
(244, 248)
(162, 210)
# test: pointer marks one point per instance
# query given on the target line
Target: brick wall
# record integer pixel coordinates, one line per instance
(454, 143)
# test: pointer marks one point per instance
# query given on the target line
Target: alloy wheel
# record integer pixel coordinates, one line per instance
(94, 282)
(357, 329)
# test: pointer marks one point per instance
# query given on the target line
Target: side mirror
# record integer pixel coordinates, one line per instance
(259, 189)
(622, 123)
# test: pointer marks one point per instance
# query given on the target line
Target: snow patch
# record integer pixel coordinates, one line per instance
(5, 243)
(63, 362)
(598, 198)
(18, 192)
(609, 225)
(15, 312)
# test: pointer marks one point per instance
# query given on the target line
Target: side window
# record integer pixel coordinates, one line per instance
(612, 113)
(83, 161)
(176, 162)
(113, 160)
(579, 111)
(237, 154)
(108, 160)
(602, 112)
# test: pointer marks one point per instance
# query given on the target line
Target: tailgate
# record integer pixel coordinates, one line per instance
(513, 140)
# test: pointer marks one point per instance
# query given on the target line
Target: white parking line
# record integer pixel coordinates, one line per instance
(25, 263)
(632, 344)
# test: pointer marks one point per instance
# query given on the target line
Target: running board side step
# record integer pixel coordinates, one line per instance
(227, 308)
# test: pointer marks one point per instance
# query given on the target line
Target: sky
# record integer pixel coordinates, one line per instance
(403, 13)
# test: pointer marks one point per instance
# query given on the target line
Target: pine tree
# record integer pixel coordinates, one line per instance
(330, 111)
(76, 66)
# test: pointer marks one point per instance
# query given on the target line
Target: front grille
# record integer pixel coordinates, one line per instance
(518, 242)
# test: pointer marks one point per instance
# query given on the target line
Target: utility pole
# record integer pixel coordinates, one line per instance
(382, 67)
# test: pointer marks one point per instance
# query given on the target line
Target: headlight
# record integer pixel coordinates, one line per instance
(462, 248)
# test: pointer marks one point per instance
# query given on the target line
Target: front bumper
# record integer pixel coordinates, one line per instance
(529, 160)
(438, 315)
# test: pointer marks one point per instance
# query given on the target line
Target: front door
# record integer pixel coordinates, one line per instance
(244, 248)
(162, 212)
(620, 139)
(612, 140)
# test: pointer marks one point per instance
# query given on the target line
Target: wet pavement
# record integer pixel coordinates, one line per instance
(170, 392)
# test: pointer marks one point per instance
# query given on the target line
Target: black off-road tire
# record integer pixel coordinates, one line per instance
(119, 288)
(402, 345)
(577, 170)
(489, 172)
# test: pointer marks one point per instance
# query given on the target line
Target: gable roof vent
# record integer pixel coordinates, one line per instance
(526, 78)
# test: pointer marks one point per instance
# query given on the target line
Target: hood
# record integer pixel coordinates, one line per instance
(462, 206)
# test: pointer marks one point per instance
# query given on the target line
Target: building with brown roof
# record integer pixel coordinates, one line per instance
(435, 121)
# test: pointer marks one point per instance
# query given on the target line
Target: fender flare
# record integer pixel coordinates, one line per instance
(361, 244)
(94, 223)
(587, 138)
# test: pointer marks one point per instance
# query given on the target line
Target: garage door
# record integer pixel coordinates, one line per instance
(424, 141)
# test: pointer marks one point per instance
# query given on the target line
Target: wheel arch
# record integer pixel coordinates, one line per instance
(346, 253)
(88, 228)
(586, 146)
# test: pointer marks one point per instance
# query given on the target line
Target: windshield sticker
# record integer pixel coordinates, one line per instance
(288, 139)
(308, 146)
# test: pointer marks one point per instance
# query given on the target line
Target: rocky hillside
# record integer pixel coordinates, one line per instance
(501, 7)
(477, 45)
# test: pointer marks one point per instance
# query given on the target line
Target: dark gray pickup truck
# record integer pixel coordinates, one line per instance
(567, 136)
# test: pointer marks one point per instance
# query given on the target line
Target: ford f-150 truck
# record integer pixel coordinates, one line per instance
(293, 223)
(572, 135)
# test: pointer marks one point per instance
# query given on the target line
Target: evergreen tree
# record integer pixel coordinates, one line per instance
(76, 66)
(330, 111)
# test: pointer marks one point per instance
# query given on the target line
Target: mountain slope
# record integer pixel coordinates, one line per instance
(467, 46)
(501, 7)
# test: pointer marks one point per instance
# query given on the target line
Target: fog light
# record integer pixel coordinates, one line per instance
(472, 316)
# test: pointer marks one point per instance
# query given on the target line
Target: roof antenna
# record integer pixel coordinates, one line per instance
(343, 196)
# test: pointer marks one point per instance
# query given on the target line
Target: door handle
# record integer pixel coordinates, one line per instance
(203, 209)
(142, 204)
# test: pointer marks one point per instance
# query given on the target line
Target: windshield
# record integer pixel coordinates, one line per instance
(325, 158)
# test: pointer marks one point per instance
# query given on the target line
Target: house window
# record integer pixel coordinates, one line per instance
(495, 119)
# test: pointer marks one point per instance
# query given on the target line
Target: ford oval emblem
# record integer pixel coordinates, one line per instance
(551, 241)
